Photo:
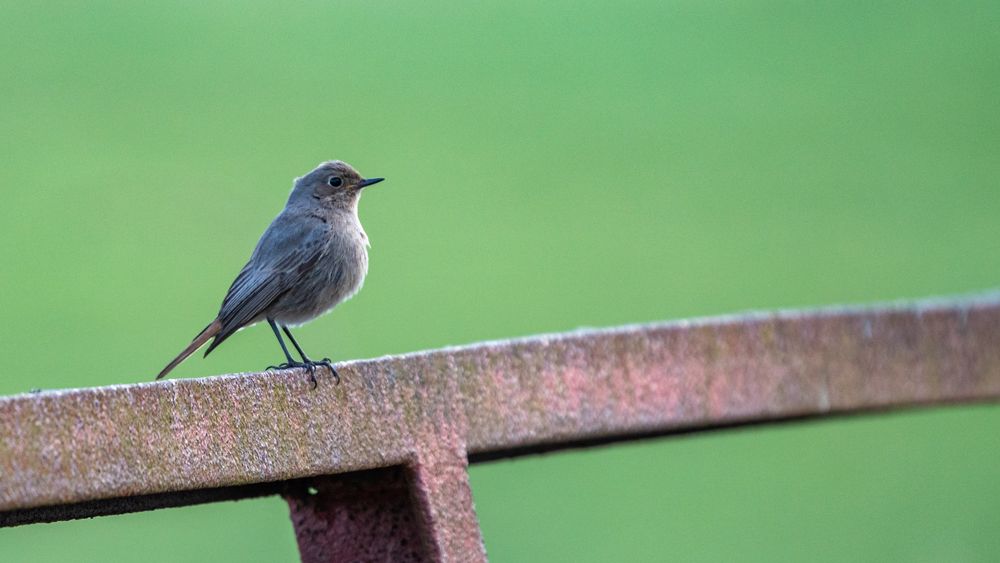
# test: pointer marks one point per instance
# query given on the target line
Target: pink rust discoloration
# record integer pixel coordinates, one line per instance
(438, 475)
(570, 397)
(83, 452)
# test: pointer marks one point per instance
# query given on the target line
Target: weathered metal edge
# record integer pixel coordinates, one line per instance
(74, 447)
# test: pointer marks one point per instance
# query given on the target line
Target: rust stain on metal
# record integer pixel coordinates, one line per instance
(425, 412)
(442, 496)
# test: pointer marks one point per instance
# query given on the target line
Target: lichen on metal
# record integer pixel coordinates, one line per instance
(82, 452)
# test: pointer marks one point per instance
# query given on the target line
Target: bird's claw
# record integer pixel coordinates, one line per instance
(312, 374)
(310, 366)
(329, 365)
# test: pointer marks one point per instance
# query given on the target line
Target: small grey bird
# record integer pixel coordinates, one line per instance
(313, 256)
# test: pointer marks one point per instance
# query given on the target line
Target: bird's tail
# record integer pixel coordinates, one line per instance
(199, 341)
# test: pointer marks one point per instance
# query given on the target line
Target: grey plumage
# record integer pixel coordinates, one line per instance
(313, 256)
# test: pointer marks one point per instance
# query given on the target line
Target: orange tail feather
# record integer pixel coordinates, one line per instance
(199, 341)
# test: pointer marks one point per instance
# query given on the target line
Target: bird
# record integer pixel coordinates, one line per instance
(312, 257)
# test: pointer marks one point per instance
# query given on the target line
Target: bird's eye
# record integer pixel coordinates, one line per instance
(335, 181)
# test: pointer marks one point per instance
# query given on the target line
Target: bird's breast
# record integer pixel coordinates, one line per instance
(336, 277)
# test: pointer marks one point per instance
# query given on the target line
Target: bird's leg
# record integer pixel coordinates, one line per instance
(296, 344)
(281, 342)
(310, 363)
(291, 363)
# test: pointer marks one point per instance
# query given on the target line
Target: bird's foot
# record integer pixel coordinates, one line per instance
(311, 366)
(326, 362)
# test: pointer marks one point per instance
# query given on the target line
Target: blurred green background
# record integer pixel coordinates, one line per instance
(551, 165)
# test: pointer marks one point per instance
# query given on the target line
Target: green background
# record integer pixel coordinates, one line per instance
(551, 165)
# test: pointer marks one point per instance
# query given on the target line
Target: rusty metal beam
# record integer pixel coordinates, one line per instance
(78, 453)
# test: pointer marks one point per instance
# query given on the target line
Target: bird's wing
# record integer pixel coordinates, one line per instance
(290, 247)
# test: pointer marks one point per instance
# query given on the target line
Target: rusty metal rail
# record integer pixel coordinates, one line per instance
(375, 468)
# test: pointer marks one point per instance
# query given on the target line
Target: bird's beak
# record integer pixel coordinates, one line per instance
(369, 181)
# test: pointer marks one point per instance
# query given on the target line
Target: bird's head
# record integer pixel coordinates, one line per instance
(333, 183)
